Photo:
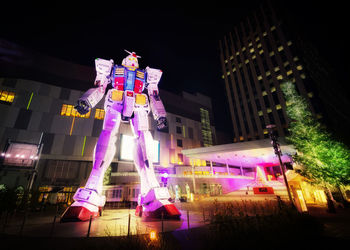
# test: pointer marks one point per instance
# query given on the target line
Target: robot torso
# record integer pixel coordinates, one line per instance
(126, 95)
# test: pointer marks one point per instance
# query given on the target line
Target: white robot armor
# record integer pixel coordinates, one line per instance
(125, 101)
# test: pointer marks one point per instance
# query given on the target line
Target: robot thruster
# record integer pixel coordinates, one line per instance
(124, 102)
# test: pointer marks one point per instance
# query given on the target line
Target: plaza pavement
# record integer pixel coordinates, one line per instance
(114, 222)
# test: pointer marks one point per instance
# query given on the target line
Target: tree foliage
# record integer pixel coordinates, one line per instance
(324, 160)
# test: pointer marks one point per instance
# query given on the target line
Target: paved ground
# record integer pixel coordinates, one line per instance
(336, 225)
(114, 222)
(39, 228)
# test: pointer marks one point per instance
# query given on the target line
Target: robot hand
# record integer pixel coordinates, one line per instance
(162, 123)
(153, 75)
(82, 107)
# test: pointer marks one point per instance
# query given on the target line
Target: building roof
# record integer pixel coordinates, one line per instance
(245, 154)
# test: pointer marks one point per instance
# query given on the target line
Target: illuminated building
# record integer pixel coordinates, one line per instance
(256, 57)
(30, 107)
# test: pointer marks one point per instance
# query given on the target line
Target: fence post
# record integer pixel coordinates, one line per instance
(188, 219)
(129, 224)
(88, 233)
(53, 225)
(5, 222)
(162, 217)
(24, 221)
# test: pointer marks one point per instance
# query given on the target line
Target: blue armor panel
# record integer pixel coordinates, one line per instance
(129, 80)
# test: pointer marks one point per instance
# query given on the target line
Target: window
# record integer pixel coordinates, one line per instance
(6, 97)
(117, 193)
(178, 130)
(190, 132)
(179, 143)
(100, 114)
(69, 110)
(135, 192)
(180, 158)
(178, 119)
(206, 128)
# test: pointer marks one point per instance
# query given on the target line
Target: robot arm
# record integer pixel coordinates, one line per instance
(94, 95)
(158, 110)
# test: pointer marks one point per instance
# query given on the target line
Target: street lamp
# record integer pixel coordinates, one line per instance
(277, 149)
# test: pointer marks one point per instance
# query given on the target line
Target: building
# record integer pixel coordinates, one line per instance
(256, 57)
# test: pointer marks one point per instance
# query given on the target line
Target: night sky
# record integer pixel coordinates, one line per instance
(181, 40)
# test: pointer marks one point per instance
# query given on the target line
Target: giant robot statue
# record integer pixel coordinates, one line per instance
(125, 101)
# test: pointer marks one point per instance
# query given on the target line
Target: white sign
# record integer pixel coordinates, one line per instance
(127, 145)
(20, 154)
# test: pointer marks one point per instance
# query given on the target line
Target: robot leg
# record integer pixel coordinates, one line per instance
(88, 201)
(153, 200)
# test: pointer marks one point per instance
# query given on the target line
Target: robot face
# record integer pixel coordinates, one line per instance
(131, 61)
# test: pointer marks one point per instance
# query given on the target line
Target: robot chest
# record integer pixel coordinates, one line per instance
(125, 79)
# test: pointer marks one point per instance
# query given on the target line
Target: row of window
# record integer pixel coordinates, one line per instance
(206, 128)
(117, 193)
(69, 110)
(182, 131)
(261, 51)
(6, 96)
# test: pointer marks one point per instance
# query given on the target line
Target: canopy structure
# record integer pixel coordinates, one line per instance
(243, 154)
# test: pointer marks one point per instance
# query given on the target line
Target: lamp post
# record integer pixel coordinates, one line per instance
(277, 149)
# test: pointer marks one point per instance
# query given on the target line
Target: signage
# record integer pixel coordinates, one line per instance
(127, 145)
(263, 190)
(20, 154)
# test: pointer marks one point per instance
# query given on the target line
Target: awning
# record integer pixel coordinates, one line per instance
(245, 154)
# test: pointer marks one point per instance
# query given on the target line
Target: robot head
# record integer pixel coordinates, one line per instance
(131, 60)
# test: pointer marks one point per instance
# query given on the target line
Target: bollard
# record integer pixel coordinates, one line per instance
(129, 225)
(53, 225)
(88, 233)
(188, 219)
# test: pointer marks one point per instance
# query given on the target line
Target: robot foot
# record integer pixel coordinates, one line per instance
(80, 211)
(168, 211)
(156, 204)
(138, 211)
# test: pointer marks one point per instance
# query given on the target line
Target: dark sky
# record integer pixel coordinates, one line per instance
(181, 40)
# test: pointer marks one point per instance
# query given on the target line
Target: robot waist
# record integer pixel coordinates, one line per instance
(128, 97)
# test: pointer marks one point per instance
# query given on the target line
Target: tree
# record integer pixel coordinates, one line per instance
(107, 176)
(324, 160)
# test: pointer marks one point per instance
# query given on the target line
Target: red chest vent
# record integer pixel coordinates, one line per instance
(138, 86)
(119, 83)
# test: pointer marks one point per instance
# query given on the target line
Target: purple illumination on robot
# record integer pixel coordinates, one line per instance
(124, 102)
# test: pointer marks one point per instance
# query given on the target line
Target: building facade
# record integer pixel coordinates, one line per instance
(256, 57)
(31, 110)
